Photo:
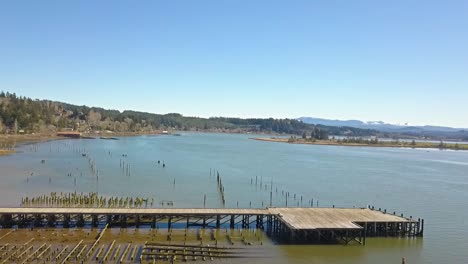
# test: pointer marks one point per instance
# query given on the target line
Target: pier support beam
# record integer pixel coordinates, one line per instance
(292, 236)
(51, 219)
(21, 220)
(109, 220)
(66, 220)
(365, 234)
(421, 233)
(94, 220)
(123, 220)
(80, 222)
(36, 220)
(231, 225)
(6, 220)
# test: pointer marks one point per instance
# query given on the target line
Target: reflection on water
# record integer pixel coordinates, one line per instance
(377, 250)
(430, 185)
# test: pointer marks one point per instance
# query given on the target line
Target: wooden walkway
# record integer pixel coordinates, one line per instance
(294, 218)
(130, 211)
(290, 225)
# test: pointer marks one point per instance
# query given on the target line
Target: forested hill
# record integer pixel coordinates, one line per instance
(24, 115)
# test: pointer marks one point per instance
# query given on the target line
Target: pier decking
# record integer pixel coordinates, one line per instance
(292, 225)
(332, 218)
(131, 211)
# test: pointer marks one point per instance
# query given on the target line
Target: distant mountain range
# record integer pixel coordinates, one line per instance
(439, 132)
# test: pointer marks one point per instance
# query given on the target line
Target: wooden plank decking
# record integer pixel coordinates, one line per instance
(332, 218)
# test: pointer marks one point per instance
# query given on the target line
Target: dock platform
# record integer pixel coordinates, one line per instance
(288, 225)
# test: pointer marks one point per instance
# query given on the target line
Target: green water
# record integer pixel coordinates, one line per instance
(430, 184)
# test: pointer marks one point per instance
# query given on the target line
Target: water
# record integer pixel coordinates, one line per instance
(430, 184)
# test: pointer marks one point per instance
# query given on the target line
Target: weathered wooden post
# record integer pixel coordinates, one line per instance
(51, 220)
(80, 222)
(109, 220)
(271, 198)
(66, 220)
(232, 222)
(422, 228)
(94, 221)
(365, 234)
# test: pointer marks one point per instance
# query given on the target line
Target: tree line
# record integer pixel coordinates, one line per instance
(18, 113)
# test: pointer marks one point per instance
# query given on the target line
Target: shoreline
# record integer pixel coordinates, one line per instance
(9, 143)
(5, 152)
(384, 144)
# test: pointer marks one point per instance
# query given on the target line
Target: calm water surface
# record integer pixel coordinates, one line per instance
(430, 184)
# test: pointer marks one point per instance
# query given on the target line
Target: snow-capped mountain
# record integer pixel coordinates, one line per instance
(382, 126)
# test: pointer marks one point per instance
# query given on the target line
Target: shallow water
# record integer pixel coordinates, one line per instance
(430, 184)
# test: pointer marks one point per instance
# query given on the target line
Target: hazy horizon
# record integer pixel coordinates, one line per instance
(395, 62)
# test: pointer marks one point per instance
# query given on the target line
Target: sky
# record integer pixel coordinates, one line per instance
(395, 61)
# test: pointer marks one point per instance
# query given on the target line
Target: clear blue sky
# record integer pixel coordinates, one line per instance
(396, 61)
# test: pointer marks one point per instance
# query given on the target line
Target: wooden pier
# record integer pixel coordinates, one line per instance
(285, 225)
